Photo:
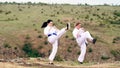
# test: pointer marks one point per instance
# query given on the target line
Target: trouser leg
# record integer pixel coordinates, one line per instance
(54, 50)
(60, 33)
(83, 52)
(87, 35)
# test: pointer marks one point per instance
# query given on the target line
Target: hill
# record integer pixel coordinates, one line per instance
(21, 35)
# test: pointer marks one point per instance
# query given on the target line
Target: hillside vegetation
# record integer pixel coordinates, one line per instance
(21, 35)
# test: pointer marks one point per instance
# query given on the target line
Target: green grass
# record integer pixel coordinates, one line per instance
(27, 19)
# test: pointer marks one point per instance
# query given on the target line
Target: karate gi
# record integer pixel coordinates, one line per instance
(53, 36)
(81, 37)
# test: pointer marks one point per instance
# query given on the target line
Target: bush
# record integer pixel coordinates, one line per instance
(6, 45)
(115, 22)
(45, 42)
(27, 48)
(58, 58)
(58, 20)
(58, 13)
(98, 9)
(1, 11)
(66, 36)
(104, 57)
(73, 39)
(16, 18)
(35, 29)
(40, 36)
(15, 48)
(117, 13)
(39, 31)
(8, 12)
(91, 19)
(113, 41)
(116, 39)
(102, 25)
(40, 47)
(20, 9)
(34, 24)
(90, 50)
(87, 17)
(27, 36)
(69, 49)
(116, 54)
(78, 53)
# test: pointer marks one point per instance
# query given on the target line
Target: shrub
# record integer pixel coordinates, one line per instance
(104, 57)
(87, 17)
(94, 14)
(103, 14)
(27, 36)
(90, 50)
(58, 58)
(20, 9)
(15, 48)
(53, 15)
(75, 45)
(34, 24)
(91, 19)
(8, 12)
(102, 25)
(27, 48)
(9, 19)
(71, 10)
(66, 36)
(16, 18)
(73, 39)
(76, 12)
(58, 20)
(40, 47)
(1, 11)
(35, 29)
(69, 49)
(45, 42)
(58, 13)
(6, 45)
(78, 53)
(41, 11)
(116, 54)
(40, 36)
(61, 23)
(39, 31)
(98, 9)
(115, 22)
(117, 13)
(113, 41)
(116, 39)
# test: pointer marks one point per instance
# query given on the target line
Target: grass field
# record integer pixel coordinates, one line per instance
(18, 22)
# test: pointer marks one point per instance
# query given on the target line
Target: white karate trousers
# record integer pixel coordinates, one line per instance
(81, 42)
(53, 39)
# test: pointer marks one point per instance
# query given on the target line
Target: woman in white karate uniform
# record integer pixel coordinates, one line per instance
(53, 35)
(82, 37)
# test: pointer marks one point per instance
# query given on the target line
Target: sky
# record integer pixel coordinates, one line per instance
(91, 2)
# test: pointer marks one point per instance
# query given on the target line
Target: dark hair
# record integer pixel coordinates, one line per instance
(46, 23)
(49, 20)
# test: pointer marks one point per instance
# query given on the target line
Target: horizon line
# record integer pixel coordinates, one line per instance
(60, 3)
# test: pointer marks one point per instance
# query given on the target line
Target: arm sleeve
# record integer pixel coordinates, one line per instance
(46, 31)
(74, 33)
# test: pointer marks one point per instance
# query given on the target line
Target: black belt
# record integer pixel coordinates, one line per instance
(52, 34)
